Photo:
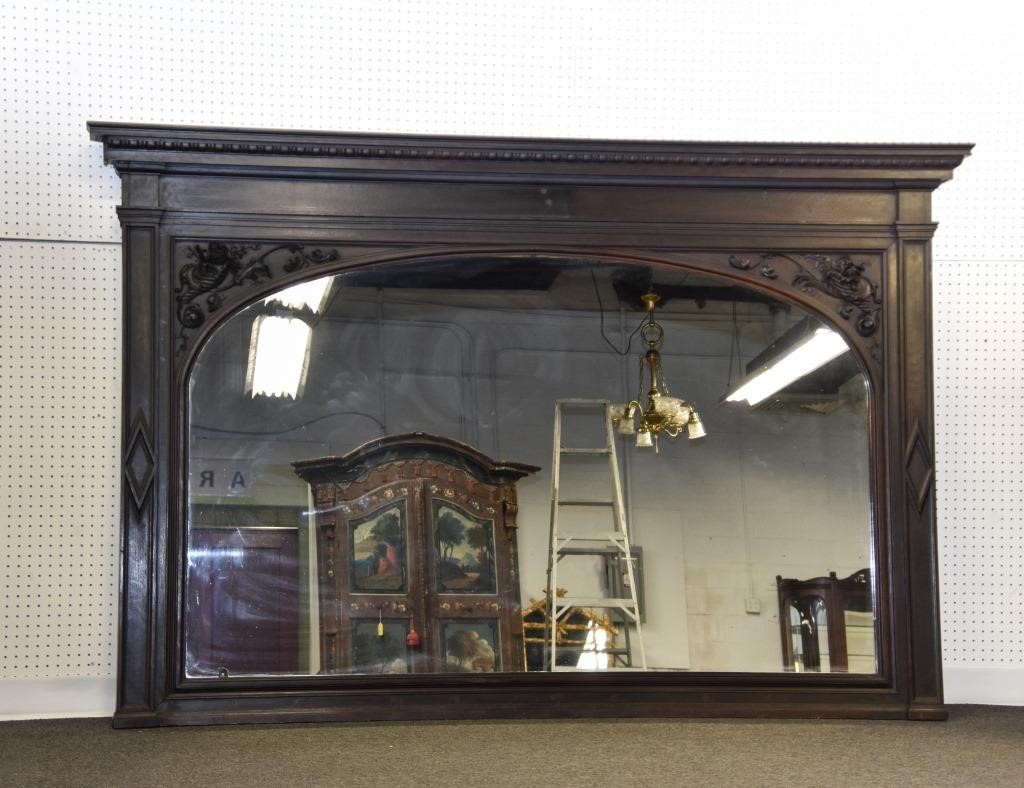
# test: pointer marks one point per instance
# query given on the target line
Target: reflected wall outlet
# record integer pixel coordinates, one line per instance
(753, 605)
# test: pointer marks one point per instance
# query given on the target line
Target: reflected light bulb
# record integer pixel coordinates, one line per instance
(695, 426)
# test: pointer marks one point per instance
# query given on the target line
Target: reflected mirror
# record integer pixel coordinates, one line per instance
(389, 467)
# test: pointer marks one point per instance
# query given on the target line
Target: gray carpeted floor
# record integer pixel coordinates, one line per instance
(979, 746)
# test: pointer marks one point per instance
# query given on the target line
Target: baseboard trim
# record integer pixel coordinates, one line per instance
(38, 699)
(988, 686)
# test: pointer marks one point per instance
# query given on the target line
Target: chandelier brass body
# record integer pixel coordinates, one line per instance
(661, 413)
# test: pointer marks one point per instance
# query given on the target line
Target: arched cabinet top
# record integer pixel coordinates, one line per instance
(411, 446)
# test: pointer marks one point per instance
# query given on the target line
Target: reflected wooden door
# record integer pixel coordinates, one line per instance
(243, 605)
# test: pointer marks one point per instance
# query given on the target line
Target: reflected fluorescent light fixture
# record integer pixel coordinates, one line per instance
(311, 295)
(278, 356)
(812, 352)
(661, 412)
(279, 347)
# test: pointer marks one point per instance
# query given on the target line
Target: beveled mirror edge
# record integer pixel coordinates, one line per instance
(893, 221)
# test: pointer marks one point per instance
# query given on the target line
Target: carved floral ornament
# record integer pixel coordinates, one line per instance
(840, 277)
(216, 268)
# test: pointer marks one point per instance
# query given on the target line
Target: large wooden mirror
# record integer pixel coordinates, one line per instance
(393, 402)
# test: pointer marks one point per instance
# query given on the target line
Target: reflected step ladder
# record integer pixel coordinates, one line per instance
(561, 544)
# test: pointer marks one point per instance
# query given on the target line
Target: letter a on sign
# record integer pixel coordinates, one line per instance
(212, 477)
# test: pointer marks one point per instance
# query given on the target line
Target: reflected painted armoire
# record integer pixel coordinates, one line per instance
(416, 538)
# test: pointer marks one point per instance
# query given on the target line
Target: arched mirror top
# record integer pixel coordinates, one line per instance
(215, 278)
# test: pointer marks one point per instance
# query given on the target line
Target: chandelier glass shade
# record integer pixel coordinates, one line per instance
(655, 412)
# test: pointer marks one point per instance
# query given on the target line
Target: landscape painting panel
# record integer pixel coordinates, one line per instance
(464, 551)
(378, 552)
(470, 647)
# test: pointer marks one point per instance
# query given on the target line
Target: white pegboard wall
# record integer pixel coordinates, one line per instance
(979, 412)
(873, 71)
(60, 340)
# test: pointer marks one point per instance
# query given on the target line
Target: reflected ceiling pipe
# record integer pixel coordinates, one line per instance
(659, 412)
(794, 355)
(280, 344)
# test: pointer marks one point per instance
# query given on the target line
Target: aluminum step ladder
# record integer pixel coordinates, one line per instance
(561, 544)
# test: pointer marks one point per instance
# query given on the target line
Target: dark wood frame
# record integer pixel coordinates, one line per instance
(214, 219)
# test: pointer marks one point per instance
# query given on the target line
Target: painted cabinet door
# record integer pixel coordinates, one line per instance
(371, 580)
(475, 622)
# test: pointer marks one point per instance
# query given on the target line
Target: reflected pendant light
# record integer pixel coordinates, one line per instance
(658, 412)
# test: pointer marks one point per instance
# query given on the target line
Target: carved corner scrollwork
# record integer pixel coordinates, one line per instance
(215, 268)
(837, 276)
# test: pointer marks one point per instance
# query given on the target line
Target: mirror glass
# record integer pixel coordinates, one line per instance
(374, 477)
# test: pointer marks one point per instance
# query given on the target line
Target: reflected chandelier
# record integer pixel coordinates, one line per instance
(661, 413)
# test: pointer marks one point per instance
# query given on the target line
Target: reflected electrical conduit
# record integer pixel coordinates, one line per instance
(469, 424)
(298, 426)
(468, 421)
(273, 335)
